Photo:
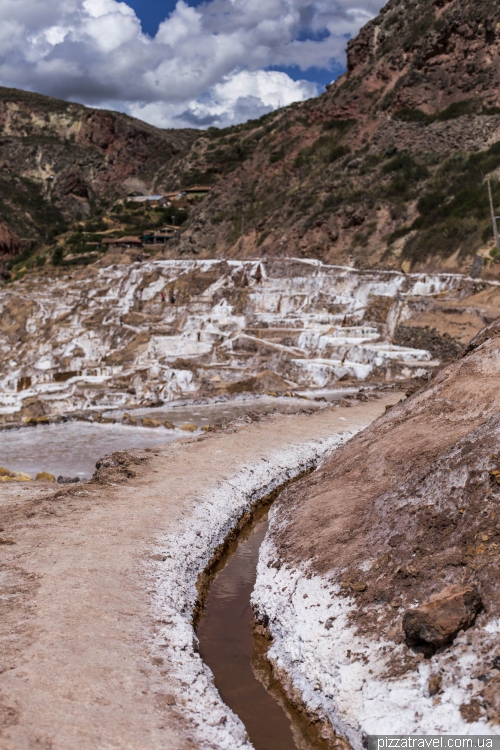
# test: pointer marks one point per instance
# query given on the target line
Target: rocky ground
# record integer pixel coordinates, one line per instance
(389, 622)
(122, 334)
(99, 581)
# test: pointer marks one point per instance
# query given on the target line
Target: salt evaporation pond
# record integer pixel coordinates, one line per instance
(71, 449)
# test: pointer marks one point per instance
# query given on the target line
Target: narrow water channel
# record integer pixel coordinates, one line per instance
(237, 657)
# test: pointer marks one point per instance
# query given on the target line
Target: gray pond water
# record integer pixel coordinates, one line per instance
(72, 449)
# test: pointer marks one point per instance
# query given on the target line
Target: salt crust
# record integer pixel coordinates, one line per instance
(340, 675)
(187, 550)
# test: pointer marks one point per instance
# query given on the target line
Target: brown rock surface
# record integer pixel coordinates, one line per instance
(44, 476)
(435, 624)
(153, 423)
(69, 157)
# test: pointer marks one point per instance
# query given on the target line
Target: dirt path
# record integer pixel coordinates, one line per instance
(77, 619)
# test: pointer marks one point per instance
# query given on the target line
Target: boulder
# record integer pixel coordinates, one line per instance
(436, 624)
(189, 427)
(127, 419)
(19, 476)
(13, 476)
(146, 422)
(44, 476)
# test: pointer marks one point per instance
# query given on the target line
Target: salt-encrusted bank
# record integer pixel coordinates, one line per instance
(399, 525)
(344, 678)
(186, 552)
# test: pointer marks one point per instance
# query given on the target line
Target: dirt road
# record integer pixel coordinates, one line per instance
(77, 617)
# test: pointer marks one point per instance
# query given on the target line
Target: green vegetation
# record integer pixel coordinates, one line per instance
(397, 234)
(341, 126)
(28, 212)
(455, 110)
(406, 173)
(325, 150)
(57, 256)
(277, 155)
(229, 155)
(22, 257)
(454, 211)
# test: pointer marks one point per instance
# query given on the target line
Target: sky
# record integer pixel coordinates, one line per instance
(179, 63)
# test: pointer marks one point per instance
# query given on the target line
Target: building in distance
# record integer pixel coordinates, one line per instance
(124, 243)
(160, 236)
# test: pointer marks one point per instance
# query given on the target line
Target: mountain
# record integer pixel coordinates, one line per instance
(61, 162)
(384, 170)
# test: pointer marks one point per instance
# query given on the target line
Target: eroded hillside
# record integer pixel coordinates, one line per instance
(386, 168)
(61, 162)
(379, 581)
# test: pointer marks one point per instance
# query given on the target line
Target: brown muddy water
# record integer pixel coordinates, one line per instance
(237, 656)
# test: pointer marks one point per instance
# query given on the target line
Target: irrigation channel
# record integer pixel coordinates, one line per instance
(237, 655)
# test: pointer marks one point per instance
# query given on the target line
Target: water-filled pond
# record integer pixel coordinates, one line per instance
(72, 449)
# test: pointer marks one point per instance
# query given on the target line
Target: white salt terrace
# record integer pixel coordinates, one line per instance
(113, 337)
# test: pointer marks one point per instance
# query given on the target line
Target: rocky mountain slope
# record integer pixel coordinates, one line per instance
(388, 622)
(61, 162)
(137, 334)
(386, 168)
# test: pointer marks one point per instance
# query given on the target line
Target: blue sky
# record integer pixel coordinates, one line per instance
(179, 63)
(153, 12)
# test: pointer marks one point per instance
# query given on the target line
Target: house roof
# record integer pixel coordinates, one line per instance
(122, 241)
(198, 189)
(143, 198)
(166, 231)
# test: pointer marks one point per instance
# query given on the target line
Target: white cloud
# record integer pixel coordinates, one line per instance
(237, 98)
(206, 65)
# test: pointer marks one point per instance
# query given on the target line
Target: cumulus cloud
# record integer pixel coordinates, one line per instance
(236, 98)
(213, 64)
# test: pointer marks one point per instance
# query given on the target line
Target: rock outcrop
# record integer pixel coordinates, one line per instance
(436, 624)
